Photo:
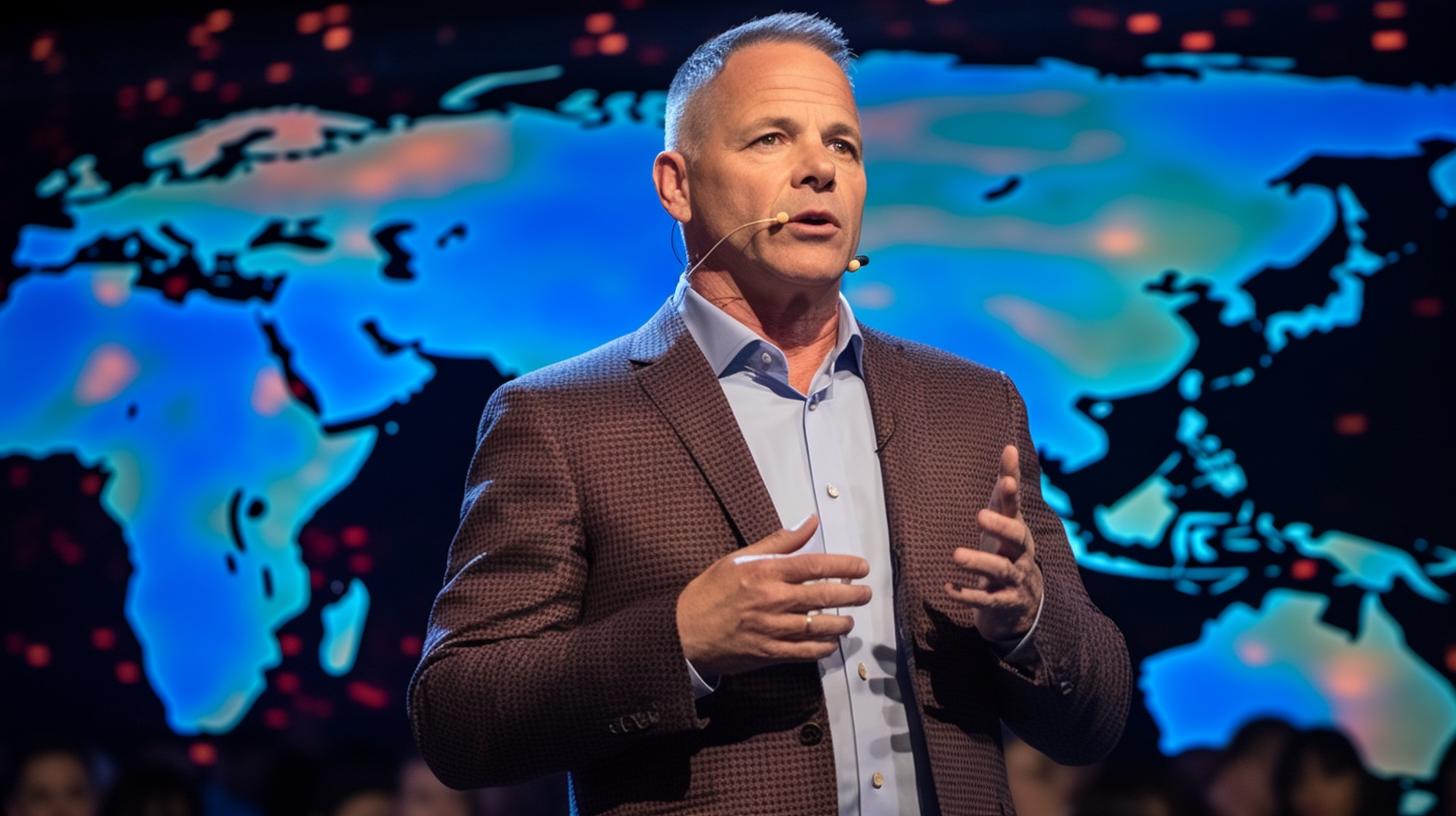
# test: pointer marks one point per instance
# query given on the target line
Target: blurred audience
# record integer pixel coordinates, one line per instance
(1039, 786)
(421, 794)
(1321, 774)
(1138, 789)
(52, 779)
(357, 784)
(1445, 784)
(1268, 769)
(1243, 779)
(153, 788)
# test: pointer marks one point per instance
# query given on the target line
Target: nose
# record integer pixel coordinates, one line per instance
(814, 168)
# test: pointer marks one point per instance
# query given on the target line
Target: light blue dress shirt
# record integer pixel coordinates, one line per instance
(816, 454)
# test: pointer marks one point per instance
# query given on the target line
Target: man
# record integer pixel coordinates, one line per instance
(755, 558)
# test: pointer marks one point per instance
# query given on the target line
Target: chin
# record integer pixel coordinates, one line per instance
(808, 270)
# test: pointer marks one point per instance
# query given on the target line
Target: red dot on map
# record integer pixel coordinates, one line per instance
(286, 682)
(1238, 18)
(103, 638)
(600, 23)
(354, 536)
(1144, 23)
(202, 753)
(37, 655)
(1392, 40)
(128, 672)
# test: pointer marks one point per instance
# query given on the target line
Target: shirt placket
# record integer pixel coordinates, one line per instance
(835, 502)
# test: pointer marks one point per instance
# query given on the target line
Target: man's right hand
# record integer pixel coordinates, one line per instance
(751, 608)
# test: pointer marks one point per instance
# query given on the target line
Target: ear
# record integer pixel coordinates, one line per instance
(670, 175)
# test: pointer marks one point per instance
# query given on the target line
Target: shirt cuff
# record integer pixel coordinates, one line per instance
(701, 688)
(1013, 650)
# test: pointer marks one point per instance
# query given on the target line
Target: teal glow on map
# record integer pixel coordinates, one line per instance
(343, 627)
(1015, 216)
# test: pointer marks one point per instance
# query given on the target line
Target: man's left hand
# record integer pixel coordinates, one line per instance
(1001, 580)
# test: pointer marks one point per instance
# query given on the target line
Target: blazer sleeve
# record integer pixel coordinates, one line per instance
(512, 683)
(1069, 700)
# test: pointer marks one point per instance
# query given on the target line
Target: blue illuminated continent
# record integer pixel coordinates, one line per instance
(186, 409)
(1281, 660)
(343, 627)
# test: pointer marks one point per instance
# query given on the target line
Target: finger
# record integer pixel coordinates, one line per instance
(802, 598)
(795, 627)
(815, 566)
(1006, 496)
(805, 650)
(1008, 536)
(783, 542)
(999, 570)
(1008, 480)
(1011, 466)
(1002, 599)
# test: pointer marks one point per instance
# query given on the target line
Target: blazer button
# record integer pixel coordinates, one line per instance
(1065, 688)
(811, 734)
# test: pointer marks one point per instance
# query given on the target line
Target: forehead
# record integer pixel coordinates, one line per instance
(762, 75)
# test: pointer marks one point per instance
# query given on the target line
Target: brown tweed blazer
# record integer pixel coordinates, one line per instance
(602, 484)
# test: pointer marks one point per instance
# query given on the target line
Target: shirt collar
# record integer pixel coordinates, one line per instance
(723, 339)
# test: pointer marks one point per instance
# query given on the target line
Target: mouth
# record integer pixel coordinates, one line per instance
(814, 225)
(815, 218)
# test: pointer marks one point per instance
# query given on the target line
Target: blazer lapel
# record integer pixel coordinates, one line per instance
(882, 366)
(894, 395)
(679, 381)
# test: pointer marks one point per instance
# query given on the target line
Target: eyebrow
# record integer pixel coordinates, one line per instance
(784, 123)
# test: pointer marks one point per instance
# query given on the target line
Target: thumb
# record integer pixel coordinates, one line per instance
(786, 540)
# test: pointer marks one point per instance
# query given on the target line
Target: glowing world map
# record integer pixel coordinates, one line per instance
(224, 337)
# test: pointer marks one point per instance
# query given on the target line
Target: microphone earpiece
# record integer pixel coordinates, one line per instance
(858, 261)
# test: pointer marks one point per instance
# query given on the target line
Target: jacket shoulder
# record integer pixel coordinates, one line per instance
(936, 365)
(601, 369)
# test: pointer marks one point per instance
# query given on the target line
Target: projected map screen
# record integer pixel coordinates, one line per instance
(1220, 285)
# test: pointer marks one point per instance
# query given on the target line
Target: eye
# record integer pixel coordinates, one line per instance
(847, 147)
(769, 139)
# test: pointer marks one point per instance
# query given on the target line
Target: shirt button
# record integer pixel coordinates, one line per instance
(832, 491)
(864, 673)
(766, 358)
(811, 734)
(813, 403)
(878, 780)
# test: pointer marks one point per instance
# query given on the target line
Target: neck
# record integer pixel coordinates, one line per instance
(802, 321)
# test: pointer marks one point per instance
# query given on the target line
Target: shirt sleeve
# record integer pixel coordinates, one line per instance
(1012, 650)
(701, 688)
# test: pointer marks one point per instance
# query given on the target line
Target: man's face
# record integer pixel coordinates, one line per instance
(780, 133)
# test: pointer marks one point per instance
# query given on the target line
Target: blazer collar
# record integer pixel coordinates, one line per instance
(678, 379)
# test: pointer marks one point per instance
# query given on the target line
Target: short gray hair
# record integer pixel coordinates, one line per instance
(683, 120)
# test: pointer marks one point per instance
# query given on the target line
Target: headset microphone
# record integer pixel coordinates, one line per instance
(780, 217)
